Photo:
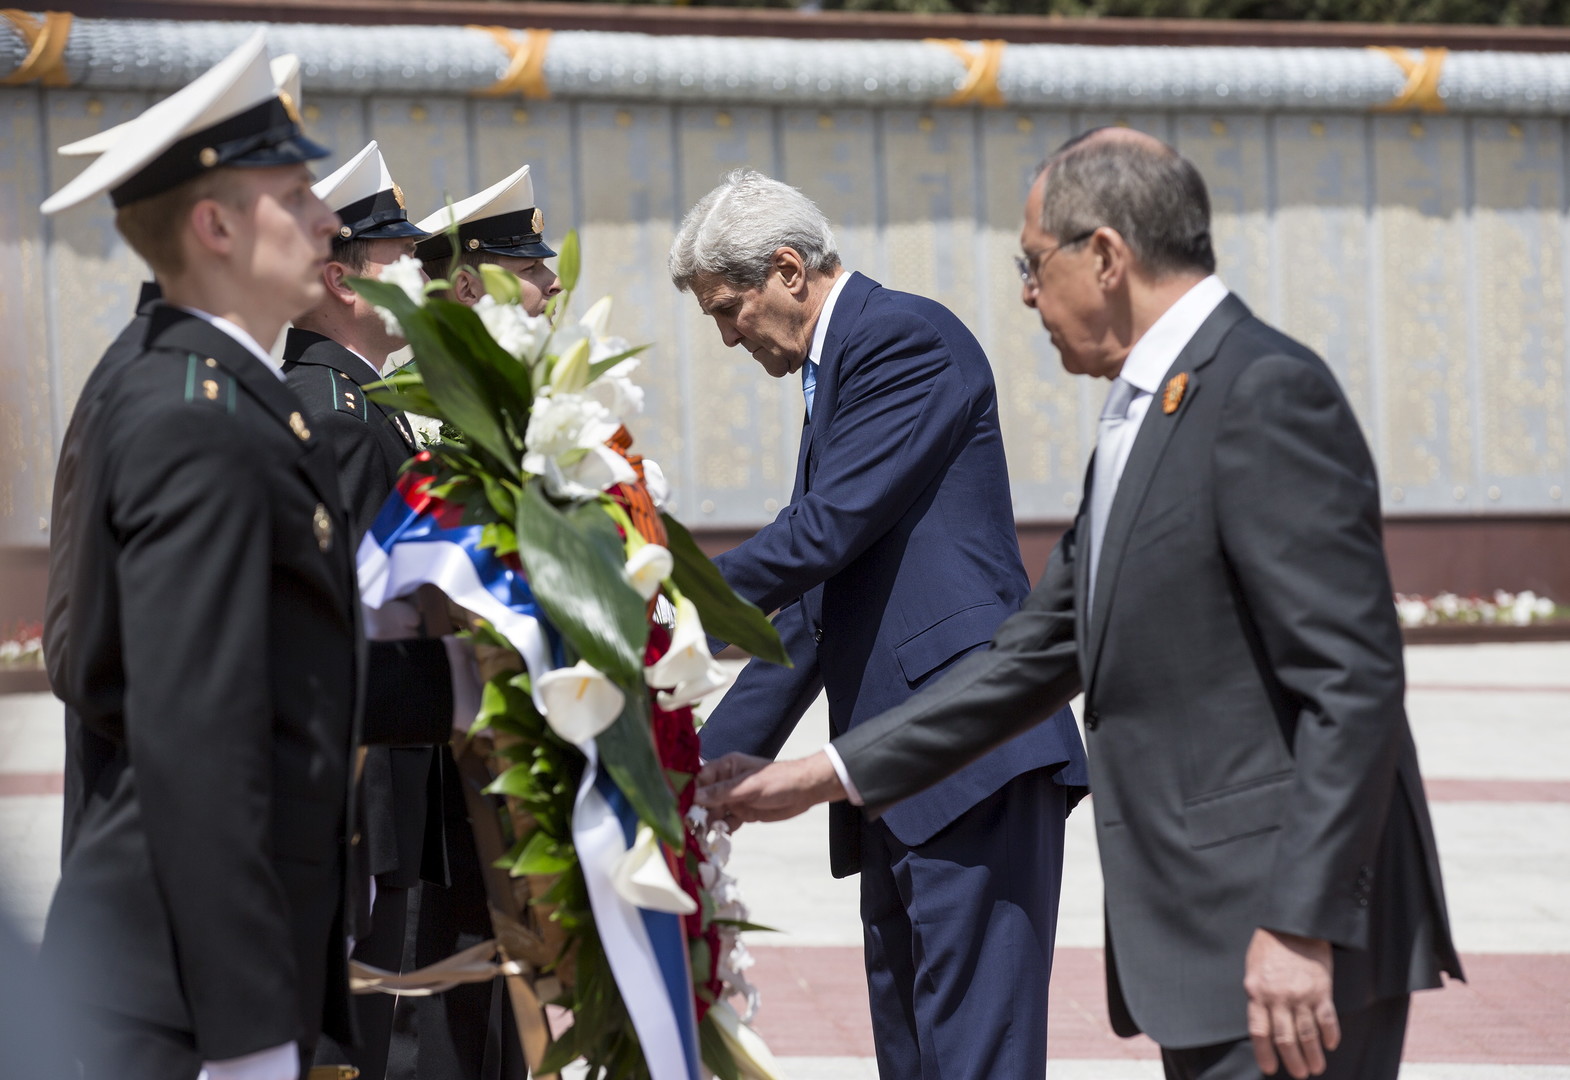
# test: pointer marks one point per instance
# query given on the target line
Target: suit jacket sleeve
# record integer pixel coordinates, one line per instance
(408, 693)
(192, 508)
(1298, 512)
(760, 711)
(1030, 672)
(902, 410)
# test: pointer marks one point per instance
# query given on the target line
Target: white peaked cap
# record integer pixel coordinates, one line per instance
(369, 205)
(361, 177)
(236, 88)
(512, 195)
(286, 76)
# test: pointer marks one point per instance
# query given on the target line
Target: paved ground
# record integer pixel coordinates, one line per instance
(1492, 724)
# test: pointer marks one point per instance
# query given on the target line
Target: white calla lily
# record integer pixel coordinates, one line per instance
(597, 320)
(643, 878)
(579, 702)
(649, 566)
(753, 1059)
(688, 671)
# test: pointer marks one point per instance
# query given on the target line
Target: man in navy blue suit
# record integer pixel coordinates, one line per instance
(896, 556)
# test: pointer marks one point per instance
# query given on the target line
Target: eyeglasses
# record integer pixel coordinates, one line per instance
(1028, 267)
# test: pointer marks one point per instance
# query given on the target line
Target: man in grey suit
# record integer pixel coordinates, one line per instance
(1272, 889)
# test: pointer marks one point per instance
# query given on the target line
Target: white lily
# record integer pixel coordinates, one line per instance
(615, 389)
(512, 328)
(649, 566)
(570, 374)
(579, 702)
(688, 671)
(643, 878)
(752, 1055)
(407, 275)
(597, 320)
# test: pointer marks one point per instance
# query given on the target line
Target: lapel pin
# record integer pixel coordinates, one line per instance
(1172, 396)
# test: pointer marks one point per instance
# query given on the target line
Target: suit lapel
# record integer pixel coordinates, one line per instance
(1144, 457)
(847, 309)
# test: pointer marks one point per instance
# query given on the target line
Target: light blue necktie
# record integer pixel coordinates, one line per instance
(809, 383)
(1104, 484)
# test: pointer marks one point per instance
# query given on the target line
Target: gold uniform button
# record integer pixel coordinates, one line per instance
(474, 245)
(345, 232)
(210, 362)
(322, 523)
(208, 157)
(297, 425)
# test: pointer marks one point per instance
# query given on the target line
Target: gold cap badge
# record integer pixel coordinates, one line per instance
(1172, 397)
(210, 389)
(297, 425)
(322, 523)
(398, 196)
(289, 107)
(537, 223)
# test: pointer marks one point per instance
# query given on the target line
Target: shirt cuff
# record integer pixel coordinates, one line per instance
(279, 1063)
(466, 685)
(839, 770)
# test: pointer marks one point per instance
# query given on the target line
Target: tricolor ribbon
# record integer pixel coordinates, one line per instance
(418, 539)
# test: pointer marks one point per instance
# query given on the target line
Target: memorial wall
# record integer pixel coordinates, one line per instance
(1404, 212)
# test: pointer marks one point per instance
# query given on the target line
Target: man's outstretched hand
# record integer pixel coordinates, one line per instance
(739, 787)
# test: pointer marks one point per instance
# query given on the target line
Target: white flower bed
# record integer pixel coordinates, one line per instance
(1504, 609)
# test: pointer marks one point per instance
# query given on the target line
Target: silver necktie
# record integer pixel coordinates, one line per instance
(1110, 433)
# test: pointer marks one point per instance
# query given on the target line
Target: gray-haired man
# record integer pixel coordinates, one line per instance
(1272, 889)
(896, 557)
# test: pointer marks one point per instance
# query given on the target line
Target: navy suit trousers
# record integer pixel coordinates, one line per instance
(959, 933)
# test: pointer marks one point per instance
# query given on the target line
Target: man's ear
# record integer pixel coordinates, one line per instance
(466, 285)
(211, 226)
(1112, 258)
(336, 277)
(792, 270)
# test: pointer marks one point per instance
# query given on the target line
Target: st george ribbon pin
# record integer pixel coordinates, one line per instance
(1172, 396)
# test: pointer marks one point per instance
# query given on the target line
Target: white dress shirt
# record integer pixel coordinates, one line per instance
(241, 336)
(1154, 354)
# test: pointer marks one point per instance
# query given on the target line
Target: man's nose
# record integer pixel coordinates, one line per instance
(555, 287)
(729, 336)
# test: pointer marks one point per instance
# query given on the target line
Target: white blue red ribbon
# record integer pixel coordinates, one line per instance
(421, 540)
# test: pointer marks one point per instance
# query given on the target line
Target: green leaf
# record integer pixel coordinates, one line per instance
(724, 614)
(628, 754)
(456, 381)
(716, 1055)
(742, 924)
(498, 537)
(517, 781)
(538, 858)
(497, 368)
(600, 367)
(568, 262)
(575, 566)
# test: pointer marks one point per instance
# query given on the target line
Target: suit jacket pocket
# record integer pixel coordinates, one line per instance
(923, 653)
(1233, 812)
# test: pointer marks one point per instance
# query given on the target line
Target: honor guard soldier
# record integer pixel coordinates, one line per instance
(203, 619)
(500, 225)
(286, 74)
(417, 841)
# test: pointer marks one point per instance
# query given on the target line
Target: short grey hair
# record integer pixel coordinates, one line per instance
(733, 232)
(1149, 193)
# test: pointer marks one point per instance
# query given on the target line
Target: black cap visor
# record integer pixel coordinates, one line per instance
(377, 217)
(260, 137)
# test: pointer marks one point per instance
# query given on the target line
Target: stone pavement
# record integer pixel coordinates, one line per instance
(1492, 724)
